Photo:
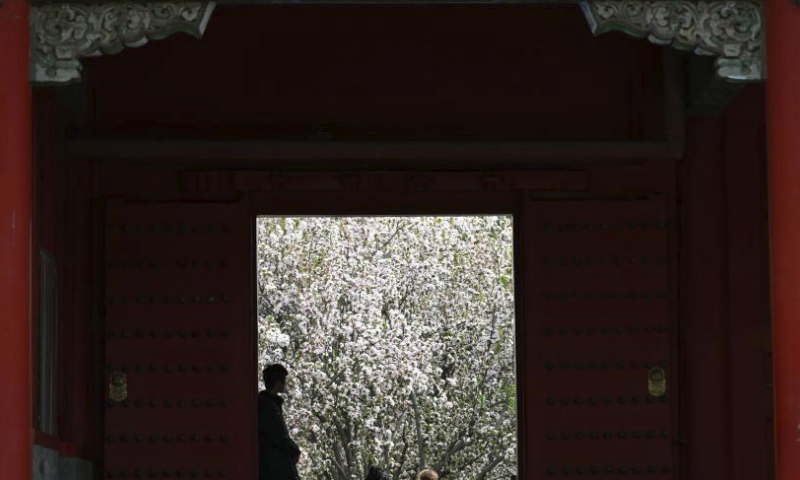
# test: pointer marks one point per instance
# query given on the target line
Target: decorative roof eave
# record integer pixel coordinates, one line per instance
(732, 30)
(63, 33)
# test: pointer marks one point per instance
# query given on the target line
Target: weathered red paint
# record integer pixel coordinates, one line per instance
(15, 241)
(783, 127)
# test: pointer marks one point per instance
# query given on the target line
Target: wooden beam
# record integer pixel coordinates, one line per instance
(466, 153)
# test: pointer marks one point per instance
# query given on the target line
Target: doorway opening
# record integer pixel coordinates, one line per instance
(398, 333)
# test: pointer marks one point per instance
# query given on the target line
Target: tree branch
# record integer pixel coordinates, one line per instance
(489, 467)
(344, 435)
(337, 461)
(418, 423)
(399, 469)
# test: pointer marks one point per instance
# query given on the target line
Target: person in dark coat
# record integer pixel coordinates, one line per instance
(375, 473)
(278, 454)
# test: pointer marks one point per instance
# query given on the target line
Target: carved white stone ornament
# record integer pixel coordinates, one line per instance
(731, 30)
(63, 33)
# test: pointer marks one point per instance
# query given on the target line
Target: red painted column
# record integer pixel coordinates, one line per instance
(15, 243)
(783, 136)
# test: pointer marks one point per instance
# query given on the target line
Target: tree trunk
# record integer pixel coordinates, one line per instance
(418, 423)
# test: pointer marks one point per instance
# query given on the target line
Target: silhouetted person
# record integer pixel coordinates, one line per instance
(278, 454)
(375, 473)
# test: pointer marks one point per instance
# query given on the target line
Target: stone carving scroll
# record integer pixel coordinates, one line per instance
(63, 33)
(732, 30)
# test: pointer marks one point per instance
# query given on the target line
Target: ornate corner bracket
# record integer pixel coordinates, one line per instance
(63, 33)
(731, 30)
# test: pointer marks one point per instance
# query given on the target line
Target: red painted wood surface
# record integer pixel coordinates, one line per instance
(596, 321)
(384, 71)
(747, 268)
(704, 308)
(63, 227)
(81, 396)
(15, 241)
(178, 324)
(724, 307)
(50, 210)
(707, 403)
(182, 87)
(783, 117)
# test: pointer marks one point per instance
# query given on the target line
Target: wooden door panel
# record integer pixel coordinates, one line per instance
(596, 319)
(177, 324)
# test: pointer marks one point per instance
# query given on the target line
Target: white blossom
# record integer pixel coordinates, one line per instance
(374, 316)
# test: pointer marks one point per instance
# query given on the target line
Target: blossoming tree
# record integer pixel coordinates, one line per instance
(398, 333)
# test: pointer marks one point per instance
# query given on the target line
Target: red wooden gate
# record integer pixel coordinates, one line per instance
(597, 330)
(180, 384)
(596, 335)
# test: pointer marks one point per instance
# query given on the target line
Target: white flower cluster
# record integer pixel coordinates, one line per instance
(398, 333)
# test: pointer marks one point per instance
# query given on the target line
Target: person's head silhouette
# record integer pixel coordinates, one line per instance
(375, 473)
(275, 378)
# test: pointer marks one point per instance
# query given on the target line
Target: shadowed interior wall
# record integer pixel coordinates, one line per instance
(425, 72)
(725, 322)
(380, 71)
